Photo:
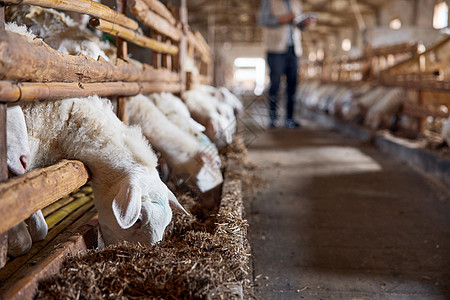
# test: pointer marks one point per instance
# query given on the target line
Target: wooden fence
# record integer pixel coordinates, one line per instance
(32, 71)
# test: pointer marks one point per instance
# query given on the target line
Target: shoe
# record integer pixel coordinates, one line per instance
(273, 124)
(291, 124)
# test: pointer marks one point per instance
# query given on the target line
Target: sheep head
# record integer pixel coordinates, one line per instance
(18, 149)
(139, 211)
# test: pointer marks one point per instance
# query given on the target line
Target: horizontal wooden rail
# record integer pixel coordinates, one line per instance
(142, 11)
(24, 195)
(204, 53)
(133, 36)
(423, 112)
(88, 7)
(28, 91)
(35, 61)
(159, 8)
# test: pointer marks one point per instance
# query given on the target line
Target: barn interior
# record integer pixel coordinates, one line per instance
(353, 203)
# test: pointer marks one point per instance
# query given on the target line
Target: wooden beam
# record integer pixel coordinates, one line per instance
(132, 36)
(140, 9)
(27, 91)
(82, 235)
(39, 188)
(88, 7)
(35, 61)
(159, 8)
(122, 53)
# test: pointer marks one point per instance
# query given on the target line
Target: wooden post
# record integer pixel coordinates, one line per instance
(178, 65)
(156, 56)
(122, 52)
(3, 177)
(3, 163)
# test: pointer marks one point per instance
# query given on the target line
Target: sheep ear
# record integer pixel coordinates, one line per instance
(126, 205)
(175, 204)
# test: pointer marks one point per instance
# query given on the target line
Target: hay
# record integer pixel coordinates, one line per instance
(195, 261)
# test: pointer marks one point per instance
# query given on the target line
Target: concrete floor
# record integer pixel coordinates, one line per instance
(340, 220)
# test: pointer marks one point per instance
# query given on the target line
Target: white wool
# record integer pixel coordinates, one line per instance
(123, 166)
(20, 29)
(446, 132)
(189, 66)
(232, 100)
(175, 145)
(385, 108)
(187, 155)
(20, 237)
(177, 112)
(62, 33)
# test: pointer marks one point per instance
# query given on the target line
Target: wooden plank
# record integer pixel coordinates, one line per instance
(88, 7)
(159, 8)
(56, 217)
(40, 188)
(11, 272)
(57, 205)
(140, 9)
(26, 91)
(81, 237)
(132, 36)
(35, 61)
(122, 53)
(156, 56)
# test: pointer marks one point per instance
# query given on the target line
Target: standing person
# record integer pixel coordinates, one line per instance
(283, 46)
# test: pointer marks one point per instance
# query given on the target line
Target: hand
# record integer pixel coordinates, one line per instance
(309, 22)
(286, 19)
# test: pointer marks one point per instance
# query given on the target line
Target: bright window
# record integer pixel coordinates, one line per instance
(250, 73)
(440, 17)
(395, 24)
(346, 45)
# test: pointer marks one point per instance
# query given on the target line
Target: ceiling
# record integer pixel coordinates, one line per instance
(235, 21)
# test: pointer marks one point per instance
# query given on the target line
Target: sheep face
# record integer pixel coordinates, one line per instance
(18, 149)
(140, 210)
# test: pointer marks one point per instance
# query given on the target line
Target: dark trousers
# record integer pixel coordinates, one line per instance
(279, 64)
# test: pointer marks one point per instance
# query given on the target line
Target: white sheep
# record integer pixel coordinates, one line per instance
(185, 155)
(381, 113)
(232, 100)
(60, 32)
(18, 157)
(216, 116)
(446, 132)
(131, 200)
(360, 105)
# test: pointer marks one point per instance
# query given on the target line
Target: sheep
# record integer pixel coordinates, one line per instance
(446, 132)
(60, 32)
(21, 237)
(359, 106)
(185, 155)
(232, 100)
(18, 157)
(131, 200)
(217, 117)
(382, 111)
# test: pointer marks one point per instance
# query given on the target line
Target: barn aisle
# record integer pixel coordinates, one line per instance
(341, 220)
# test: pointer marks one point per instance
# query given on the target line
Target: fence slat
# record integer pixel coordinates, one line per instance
(88, 7)
(132, 36)
(38, 189)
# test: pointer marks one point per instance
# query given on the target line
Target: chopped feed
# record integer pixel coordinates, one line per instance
(195, 261)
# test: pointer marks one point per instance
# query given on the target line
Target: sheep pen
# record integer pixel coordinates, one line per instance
(199, 258)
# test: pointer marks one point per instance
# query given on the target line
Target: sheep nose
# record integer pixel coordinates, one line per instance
(24, 159)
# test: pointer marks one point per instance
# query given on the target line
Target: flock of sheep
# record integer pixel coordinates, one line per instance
(376, 107)
(132, 201)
